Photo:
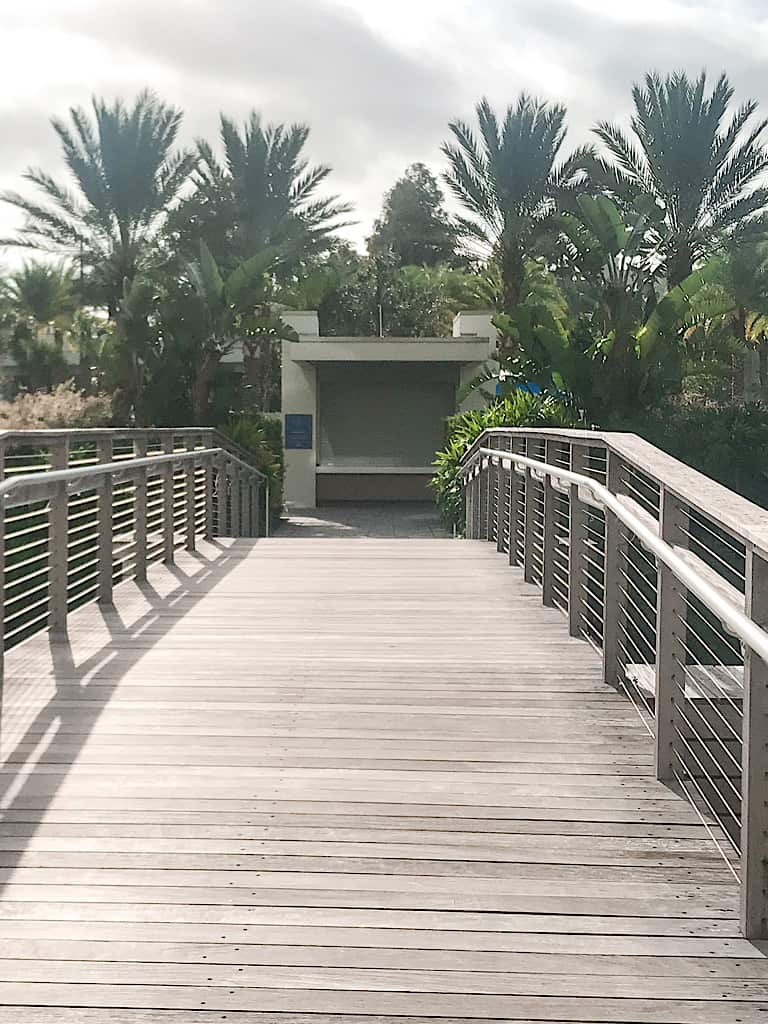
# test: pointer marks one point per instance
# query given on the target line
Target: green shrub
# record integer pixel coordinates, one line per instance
(728, 443)
(518, 410)
(262, 434)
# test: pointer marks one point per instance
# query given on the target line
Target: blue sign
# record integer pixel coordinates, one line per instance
(298, 430)
(531, 387)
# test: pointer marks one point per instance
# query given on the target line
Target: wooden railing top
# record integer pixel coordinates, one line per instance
(93, 433)
(734, 513)
(54, 437)
(28, 487)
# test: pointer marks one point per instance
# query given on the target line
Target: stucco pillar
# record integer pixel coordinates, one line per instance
(299, 399)
(474, 324)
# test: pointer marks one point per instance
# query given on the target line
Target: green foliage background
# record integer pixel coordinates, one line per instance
(521, 409)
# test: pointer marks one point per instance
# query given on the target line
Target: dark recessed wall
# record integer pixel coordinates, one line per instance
(372, 487)
(383, 414)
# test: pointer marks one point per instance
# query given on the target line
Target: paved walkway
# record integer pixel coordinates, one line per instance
(397, 520)
(303, 781)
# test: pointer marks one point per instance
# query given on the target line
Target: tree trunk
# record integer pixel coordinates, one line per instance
(261, 373)
(762, 350)
(201, 389)
(513, 277)
(679, 262)
(512, 281)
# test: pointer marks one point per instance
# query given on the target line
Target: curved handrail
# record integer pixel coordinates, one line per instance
(737, 623)
(81, 478)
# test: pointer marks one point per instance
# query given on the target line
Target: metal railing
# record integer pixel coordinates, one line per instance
(665, 573)
(86, 516)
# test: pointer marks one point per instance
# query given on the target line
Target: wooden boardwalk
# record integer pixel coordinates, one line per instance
(359, 780)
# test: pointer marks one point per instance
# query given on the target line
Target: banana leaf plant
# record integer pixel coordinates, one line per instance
(590, 345)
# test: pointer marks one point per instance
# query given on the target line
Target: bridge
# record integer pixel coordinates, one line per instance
(360, 771)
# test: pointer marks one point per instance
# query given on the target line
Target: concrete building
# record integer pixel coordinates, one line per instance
(363, 417)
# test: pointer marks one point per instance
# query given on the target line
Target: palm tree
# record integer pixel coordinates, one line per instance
(591, 339)
(511, 182)
(264, 194)
(39, 305)
(125, 176)
(210, 310)
(43, 292)
(704, 170)
(724, 306)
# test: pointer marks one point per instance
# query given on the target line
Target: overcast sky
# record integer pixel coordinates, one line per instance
(377, 80)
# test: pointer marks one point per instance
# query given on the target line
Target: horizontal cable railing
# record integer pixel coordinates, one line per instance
(665, 573)
(78, 523)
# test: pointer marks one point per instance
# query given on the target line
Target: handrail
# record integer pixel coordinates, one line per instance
(68, 534)
(81, 479)
(732, 511)
(735, 620)
(665, 573)
(93, 433)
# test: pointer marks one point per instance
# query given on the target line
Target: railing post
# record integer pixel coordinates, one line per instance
(468, 491)
(502, 497)
(247, 525)
(615, 543)
(493, 478)
(140, 511)
(670, 649)
(105, 454)
(208, 440)
(221, 496)
(528, 531)
(484, 490)
(168, 503)
(514, 504)
(235, 510)
(209, 524)
(477, 504)
(754, 812)
(258, 495)
(473, 505)
(189, 483)
(577, 547)
(58, 544)
(548, 539)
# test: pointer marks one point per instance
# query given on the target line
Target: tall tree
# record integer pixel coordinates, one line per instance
(362, 295)
(414, 224)
(43, 292)
(263, 194)
(724, 306)
(206, 311)
(510, 180)
(125, 175)
(701, 165)
(39, 305)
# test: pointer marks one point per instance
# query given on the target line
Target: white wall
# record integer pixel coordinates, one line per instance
(299, 395)
(305, 322)
(476, 324)
(470, 324)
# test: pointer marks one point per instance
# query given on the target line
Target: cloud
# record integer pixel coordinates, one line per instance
(305, 60)
(377, 82)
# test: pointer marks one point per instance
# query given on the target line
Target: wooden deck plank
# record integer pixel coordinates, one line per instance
(278, 784)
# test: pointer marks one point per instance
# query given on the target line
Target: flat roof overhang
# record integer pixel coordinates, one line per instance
(389, 350)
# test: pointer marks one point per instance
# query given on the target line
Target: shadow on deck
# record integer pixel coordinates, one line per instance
(55, 691)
